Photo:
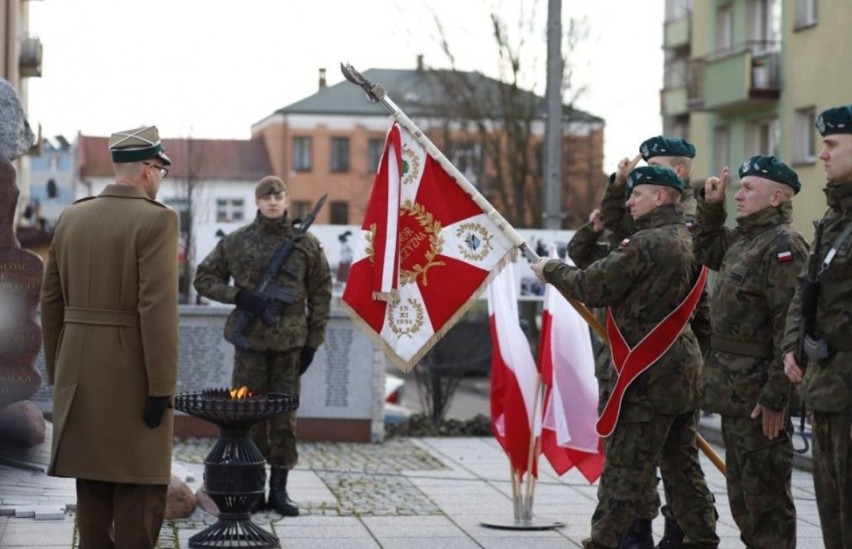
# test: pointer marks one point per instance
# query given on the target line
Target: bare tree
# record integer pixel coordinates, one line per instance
(500, 119)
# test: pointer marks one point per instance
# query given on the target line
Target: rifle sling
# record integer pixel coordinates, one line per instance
(829, 256)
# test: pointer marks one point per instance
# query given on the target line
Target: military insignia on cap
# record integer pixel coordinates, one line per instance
(820, 124)
(746, 166)
(643, 150)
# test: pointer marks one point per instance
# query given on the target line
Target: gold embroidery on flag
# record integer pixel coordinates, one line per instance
(405, 318)
(410, 166)
(410, 239)
(477, 243)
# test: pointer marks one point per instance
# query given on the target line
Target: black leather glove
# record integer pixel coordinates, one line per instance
(250, 302)
(155, 407)
(306, 358)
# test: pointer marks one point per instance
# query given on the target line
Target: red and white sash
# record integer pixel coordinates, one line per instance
(630, 362)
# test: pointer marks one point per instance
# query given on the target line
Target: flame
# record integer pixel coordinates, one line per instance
(241, 393)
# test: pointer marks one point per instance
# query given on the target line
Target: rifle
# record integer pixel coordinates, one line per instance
(266, 287)
(810, 296)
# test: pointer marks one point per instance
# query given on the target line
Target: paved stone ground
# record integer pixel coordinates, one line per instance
(401, 494)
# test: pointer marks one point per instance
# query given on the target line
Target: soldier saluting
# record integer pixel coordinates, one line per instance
(273, 351)
(758, 263)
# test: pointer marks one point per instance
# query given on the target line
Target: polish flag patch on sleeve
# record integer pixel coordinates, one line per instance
(784, 257)
(624, 242)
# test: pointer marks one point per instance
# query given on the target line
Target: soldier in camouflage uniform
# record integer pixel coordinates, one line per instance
(676, 154)
(669, 152)
(758, 263)
(828, 377)
(642, 282)
(280, 353)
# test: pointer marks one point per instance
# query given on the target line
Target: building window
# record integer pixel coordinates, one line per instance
(721, 148)
(181, 206)
(374, 154)
(676, 9)
(229, 210)
(299, 209)
(339, 154)
(804, 146)
(806, 13)
(339, 211)
(762, 137)
(302, 154)
(466, 156)
(724, 28)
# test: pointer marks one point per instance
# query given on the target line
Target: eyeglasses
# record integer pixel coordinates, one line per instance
(163, 171)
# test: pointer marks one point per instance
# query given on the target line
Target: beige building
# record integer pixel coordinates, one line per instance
(746, 77)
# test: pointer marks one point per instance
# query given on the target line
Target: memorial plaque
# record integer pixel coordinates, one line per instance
(20, 286)
(344, 384)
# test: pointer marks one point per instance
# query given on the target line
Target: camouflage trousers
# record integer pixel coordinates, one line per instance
(759, 480)
(638, 444)
(272, 372)
(832, 458)
(648, 503)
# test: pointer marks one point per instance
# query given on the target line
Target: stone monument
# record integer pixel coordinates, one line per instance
(20, 284)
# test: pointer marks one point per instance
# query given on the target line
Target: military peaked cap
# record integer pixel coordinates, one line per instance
(666, 146)
(136, 145)
(770, 167)
(654, 175)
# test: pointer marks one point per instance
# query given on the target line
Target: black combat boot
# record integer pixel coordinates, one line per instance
(638, 536)
(278, 500)
(672, 536)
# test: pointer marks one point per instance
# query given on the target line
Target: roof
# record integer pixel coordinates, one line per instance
(209, 159)
(420, 92)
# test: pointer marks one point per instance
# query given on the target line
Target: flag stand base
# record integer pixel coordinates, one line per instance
(535, 523)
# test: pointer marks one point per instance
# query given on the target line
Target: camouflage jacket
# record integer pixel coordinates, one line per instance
(243, 256)
(828, 385)
(587, 246)
(616, 217)
(643, 280)
(758, 264)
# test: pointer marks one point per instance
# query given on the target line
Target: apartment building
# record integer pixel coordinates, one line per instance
(746, 77)
(331, 142)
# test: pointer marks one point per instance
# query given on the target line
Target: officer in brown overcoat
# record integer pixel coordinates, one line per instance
(110, 326)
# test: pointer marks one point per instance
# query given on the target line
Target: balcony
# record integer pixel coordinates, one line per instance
(674, 101)
(743, 77)
(31, 56)
(677, 32)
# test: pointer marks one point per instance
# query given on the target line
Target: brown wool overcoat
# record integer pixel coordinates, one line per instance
(110, 326)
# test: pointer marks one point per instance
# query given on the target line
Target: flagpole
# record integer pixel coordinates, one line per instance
(377, 93)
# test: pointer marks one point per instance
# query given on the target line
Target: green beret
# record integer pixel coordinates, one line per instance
(136, 145)
(835, 120)
(269, 185)
(654, 175)
(666, 146)
(769, 167)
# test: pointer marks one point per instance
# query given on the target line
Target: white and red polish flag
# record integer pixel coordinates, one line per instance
(424, 253)
(568, 437)
(515, 414)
